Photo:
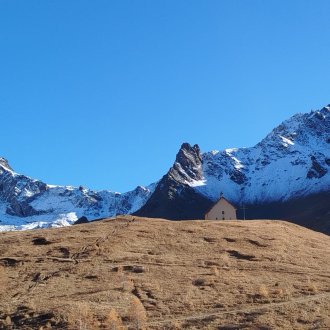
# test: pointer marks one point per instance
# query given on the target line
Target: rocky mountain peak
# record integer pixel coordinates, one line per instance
(326, 110)
(309, 130)
(4, 163)
(188, 164)
(174, 196)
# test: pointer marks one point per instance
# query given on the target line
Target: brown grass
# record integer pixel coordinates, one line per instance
(160, 274)
(81, 317)
(137, 314)
(311, 287)
(263, 291)
(113, 321)
(3, 278)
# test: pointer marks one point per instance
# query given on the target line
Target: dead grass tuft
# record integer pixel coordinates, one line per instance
(215, 270)
(225, 260)
(113, 321)
(279, 292)
(3, 278)
(127, 285)
(311, 287)
(263, 291)
(137, 314)
(80, 317)
(8, 320)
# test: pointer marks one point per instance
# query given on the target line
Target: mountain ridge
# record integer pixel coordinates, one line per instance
(290, 164)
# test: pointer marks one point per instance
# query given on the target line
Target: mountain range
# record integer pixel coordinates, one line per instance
(285, 176)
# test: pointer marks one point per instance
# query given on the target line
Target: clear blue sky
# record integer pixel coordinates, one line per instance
(102, 93)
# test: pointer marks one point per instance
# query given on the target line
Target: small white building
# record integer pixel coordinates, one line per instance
(221, 210)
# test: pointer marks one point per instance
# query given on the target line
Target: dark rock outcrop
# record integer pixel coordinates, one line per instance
(81, 220)
(316, 170)
(173, 198)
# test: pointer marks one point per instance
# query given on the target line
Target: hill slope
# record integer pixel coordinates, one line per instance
(190, 275)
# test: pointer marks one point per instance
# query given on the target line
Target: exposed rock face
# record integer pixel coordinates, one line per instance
(174, 198)
(4, 163)
(188, 164)
(17, 191)
(316, 170)
(26, 203)
(81, 220)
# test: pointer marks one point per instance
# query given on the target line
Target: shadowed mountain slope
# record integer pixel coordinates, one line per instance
(286, 175)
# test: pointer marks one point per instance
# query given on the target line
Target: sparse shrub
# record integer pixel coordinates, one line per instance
(120, 273)
(40, 241)
(176, 325)
(100, 250)
(263, 291)
(215, 270)
(225, 259)
(128, 285)
(80, 317)
(134, 269)
(32, 305)
(3, 278)
(199, 282)
(113, 321)
(311, 287)
(8, 320)
(279, 292)
(187, 299)
(137, 314)
(47, 326)
(173, 325)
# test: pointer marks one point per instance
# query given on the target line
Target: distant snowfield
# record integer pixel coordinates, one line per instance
(59, 206)
(37, 222)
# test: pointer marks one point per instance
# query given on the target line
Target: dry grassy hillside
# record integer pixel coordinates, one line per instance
(140, 273)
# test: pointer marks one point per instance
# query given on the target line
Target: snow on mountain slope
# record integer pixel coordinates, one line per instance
(285, 176)
(292, 161)
(26, 203)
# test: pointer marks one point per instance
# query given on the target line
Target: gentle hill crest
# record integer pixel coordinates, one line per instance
(207, 274)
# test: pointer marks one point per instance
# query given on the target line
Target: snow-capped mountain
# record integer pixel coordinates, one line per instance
(269, 180)
(26, 203)
(292, 161)
(285, 176)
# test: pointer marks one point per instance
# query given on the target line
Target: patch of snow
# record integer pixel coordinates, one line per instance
(238, 164)
(229, 151)
(286, 142)
(197, 183)
(65, 220)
